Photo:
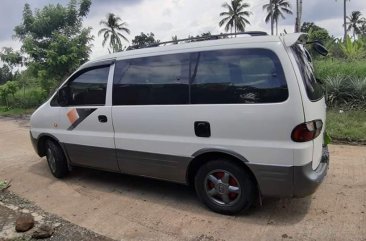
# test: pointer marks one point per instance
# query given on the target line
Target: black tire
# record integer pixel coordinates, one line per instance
(234, 194)
(56, 159)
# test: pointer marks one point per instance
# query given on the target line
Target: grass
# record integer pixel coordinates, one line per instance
(336, 67)
(14, 112)
(3, 184)
(347, 126)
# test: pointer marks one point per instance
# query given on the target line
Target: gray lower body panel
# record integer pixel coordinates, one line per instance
(91, 156)
(293, 181)
(160, 166)
(275, 181)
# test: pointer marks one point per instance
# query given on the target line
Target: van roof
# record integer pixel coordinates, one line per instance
(288, 40)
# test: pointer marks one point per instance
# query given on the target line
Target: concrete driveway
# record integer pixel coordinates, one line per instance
(131, 208)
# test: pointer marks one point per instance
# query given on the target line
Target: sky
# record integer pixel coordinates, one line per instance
(166, 18)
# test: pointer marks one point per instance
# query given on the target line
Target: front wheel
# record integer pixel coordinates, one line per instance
(56, 159)
(225, 187)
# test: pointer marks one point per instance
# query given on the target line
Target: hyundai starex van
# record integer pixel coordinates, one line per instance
(236, 118)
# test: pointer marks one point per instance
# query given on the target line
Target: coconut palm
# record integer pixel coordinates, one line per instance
(355, 23)
(276, 9)
(235, 16)
(113, 26)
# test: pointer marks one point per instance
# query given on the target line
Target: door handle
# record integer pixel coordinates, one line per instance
(102, 118)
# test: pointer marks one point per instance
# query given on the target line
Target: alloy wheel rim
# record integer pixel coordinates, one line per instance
(222, 187)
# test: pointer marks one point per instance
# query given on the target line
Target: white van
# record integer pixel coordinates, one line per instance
(236, 118)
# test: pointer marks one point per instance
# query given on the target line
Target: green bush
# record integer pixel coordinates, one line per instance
(345, 92)
(28, 98)
(6, 91)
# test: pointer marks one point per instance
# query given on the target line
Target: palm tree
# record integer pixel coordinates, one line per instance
(236, 16)
(113, 26)
(275, 9)
(355, 23)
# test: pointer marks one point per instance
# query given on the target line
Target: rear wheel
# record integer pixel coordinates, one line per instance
(224, 187)
(56, 159)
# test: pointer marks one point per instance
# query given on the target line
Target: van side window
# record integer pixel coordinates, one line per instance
(158, 80)
(238, 76)
(89, 87)
(314, 89)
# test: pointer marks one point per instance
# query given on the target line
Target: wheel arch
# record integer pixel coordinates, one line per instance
(205, 155)
(41, 143)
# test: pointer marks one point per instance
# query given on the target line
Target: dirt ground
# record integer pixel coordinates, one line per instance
(11, 206)
(131, 208)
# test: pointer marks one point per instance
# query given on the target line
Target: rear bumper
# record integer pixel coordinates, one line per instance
(307, 180)
(293, 181)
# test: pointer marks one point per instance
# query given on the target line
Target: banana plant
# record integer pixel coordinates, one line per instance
(353, 50)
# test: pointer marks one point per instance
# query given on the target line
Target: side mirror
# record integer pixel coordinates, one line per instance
(63, 96)
(320, 49)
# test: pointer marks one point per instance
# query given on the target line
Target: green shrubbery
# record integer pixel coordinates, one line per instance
(346, 92)
(345, 82)
(29, 98)
(11, 96)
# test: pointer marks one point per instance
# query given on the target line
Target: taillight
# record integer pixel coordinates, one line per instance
(307, 131)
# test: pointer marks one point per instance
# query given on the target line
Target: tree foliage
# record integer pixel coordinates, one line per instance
(307, 26)
(10, 57)
(54, 40)
(355, 23)
(319, 34)
(144, 40)
(277, 8)
(236, 16)
(112, 32)
(9, 88)
(315, 32)
(5, 74)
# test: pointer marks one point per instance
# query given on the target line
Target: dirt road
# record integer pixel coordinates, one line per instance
(130, 208)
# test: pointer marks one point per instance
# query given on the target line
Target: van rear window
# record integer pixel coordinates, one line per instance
(238, 76)
(313, 88)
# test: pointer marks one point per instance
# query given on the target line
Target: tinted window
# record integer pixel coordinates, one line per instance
(160, 80)
(314, 89)
(89, 87)
(238, 76)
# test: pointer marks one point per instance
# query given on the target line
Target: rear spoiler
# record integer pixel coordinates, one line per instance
(294, 38)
